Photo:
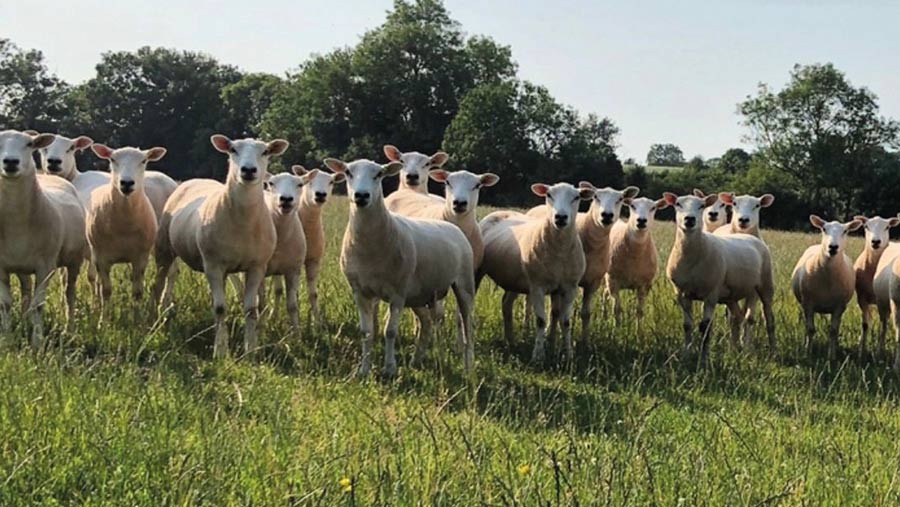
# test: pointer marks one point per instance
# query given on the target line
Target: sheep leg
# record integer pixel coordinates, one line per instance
(425, 330)
(613, 291)
(312, 293)
(254, 279)
(25, 288)
(138, 269)
(883, 321)
(769, 315)
(465, 302)
(291, 286)
(71, 289)
(866, 311)
(555, 305)
(749, 316)
(809, 318)
(537, 304)
(164, 285)
(278, 284)
(105, 284)
(262, 301)
(586, 304)
(834, 332)
(709, 309)
(42, 281)
(6, 301)
(216, 278)
(687, 308)
(509, 300)
(641, 304)
(391, 329)
(567, 309)
(734, 315)
(895, 314)
(366, 308)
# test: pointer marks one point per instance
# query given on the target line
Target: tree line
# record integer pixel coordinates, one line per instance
(417, 81)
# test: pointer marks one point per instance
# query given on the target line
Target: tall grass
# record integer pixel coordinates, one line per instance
(114, 414)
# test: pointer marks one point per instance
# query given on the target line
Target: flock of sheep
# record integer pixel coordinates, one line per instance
(411, 248)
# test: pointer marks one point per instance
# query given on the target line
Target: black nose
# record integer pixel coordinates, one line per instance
(744, 220)
(53, 161)
(832, 249)
(460, 205)
(690, 221)
(321, 196)
(412, 179)
(606, 217)
(126, 186)
(641, 223)
(876, 243)
(361, 198)
(11, 165)
(560, 220)
(713, 215)
(286, 199)
(248, 172)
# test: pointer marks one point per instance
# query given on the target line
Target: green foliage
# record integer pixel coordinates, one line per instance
(735, 160)
(246, 102)
(30, 96)
(665, 154)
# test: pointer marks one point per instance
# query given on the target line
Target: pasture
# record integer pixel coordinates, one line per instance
(120, 414)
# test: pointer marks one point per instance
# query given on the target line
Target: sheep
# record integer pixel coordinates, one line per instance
(593, 230)
(717, 270)
(633, 259)
(121, 223)
(283, 195)
(58, 159)
(745, 217)
(538, 256)
(31, 203)
(823, 279)
(221, 229)
(877, 231)
(715, 216)
(414, 175)
(405, 262)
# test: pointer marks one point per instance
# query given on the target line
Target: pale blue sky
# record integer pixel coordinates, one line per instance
(664, 71)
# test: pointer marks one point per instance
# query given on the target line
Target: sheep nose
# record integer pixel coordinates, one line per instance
(127, 187)
(690, 222)
(641, 223)
(832, 250)
(11, 165)
(286, 199)
(744, 221)
(53, 163)
(606, 217)
(876, 243)
(412, 179)
(321, 196)
(460, 206)
(713, 215)
(248, 172)
(560, 220)
(361, 198)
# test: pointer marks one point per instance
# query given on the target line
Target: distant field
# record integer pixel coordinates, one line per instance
(654, 168)
(123, 416)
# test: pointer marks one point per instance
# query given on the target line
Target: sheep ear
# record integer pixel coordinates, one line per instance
(699, 193)
(586, 184)
(766, 200)
(540, 189)
(661, 204)
(101, 150)
(221, 143)
(82, 142)
(631, 192)
(391, 169)
(853, 225)
(710, 200)
(816, 221)
(42, 140)
(155, 153)
(585, 194)
(276, 147)
(392, 153)
(298, 169)
(338, 178)
(308, 176)
(670, 198)
(439, 159)
(337, 166)
(861, 218)
(439, 175)
(893, 222)
(488, 179)
(725, 197)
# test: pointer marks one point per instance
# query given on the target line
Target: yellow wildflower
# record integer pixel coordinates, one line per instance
(524, 469)
(346, 484)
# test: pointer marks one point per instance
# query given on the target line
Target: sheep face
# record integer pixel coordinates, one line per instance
(714, 216)
(318, 189)
(128, 166)
(834, 234)
(415, 165)
(643, 213)
(248, 159)
(16, 150)
(285, 190)
(689, 209)
(878, 230)
(59, 157)
(746, 210)
(562, 199)
(462, 188)
(609, 202)
(364, 179)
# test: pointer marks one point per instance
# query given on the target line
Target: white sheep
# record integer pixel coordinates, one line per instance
(221, 229)
(414, 175)
(745, 214)
(823, 279)
(121, 223)
(714, 216)
(406, 262)
(593, 230)
(633, 259)
(877, 231)
(283, 196)
(717, 270)
(41, 228)
(538, 256)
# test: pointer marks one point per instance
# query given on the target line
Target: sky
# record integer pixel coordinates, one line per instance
(664, 71)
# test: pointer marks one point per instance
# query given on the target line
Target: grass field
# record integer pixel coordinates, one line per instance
(119, 415)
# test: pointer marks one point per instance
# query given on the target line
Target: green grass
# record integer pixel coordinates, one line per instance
(121, 416)
(655, 168)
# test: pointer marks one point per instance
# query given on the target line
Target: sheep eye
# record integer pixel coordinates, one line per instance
(677, 204)
(232, 150)
(477, 186)
(576, 199)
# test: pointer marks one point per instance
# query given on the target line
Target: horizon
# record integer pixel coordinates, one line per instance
(661, 73)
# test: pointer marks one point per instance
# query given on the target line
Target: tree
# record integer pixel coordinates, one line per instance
(665, 155)
(822, 132)
(30, 96)
(735, 160)
(161, 97)
(696, 164)
(246, 103)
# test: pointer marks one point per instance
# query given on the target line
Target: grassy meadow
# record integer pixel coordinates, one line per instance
(118, 413)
